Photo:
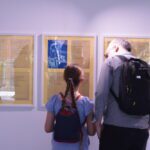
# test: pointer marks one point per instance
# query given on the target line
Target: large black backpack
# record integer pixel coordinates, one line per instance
(67, 128)
(134, 87)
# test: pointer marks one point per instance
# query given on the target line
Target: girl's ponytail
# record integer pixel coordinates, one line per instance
(70, 90)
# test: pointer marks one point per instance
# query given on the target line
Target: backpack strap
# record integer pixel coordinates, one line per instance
(114, 95)
(64, 100)
(78, 97)
(61, 94)
(74, 100)
(123, 59)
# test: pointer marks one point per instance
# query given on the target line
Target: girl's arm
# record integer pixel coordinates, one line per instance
(91, 126)
(49, 123)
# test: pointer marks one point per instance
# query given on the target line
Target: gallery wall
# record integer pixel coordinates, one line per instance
(22, 128)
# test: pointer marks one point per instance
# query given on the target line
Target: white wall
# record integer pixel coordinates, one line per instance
(22, 128)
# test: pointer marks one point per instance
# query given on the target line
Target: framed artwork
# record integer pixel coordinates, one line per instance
(58, 52)
(16, 70)
(140, 46)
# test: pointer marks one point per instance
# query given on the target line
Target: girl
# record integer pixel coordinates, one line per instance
(73, 76)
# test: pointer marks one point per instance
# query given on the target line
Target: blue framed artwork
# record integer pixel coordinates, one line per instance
(57, 53)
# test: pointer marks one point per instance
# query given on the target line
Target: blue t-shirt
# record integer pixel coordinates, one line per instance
(84, 106)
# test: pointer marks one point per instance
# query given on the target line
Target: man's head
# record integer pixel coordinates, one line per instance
(118, 46)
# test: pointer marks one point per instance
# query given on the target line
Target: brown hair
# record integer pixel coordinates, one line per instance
(73, 75)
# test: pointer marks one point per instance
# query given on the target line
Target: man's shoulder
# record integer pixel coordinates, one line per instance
(116, 60)
(111, 61)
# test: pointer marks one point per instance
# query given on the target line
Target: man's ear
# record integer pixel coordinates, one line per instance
(117, 49)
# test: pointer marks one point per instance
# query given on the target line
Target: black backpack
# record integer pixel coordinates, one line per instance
(67, 128)
(134, 87)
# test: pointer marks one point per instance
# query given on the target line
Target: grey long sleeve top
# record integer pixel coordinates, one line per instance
(106, 105)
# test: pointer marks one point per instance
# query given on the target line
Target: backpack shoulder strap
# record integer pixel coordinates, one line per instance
(77, 97)
(63, 99)
(61, 94)
(123, 59)
(74, 101)
(114, 95)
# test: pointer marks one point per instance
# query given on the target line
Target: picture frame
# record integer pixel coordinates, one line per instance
(16, 69)
(71, 49)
